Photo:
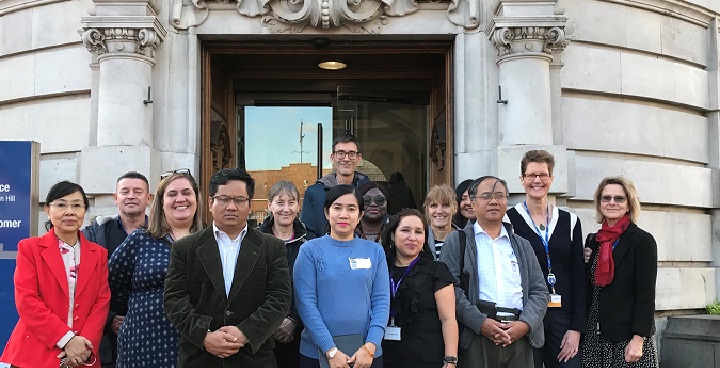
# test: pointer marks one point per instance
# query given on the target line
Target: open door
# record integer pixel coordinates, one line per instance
(441, 127)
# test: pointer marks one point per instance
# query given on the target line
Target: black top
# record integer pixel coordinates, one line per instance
(417, 315)
(566, 258)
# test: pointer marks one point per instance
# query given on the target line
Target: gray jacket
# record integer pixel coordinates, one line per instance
(535, 293)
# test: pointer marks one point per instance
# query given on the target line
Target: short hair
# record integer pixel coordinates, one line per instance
(283, 187)
(157, 224)
(340, 190)
(134, 175)
(346, 138)
(225, 175)
(630, 192)
(538, 156)
(472, 188)
(61, 189)
(394, 223)
(371, 184)
(442, 194)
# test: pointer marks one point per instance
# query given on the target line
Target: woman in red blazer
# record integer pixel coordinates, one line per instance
(61, 290)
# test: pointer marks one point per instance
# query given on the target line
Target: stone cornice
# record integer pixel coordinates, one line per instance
(140, 35)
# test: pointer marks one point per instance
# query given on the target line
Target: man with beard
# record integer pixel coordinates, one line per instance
(132, 196)
(345, 157)
(500, 292)
(375, 214)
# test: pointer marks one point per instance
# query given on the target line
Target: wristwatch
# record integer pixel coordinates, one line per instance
(451, 359)
(331, 353)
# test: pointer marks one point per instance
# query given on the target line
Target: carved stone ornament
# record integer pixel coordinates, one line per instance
(504, 38)
(131, 40)
(359, 16)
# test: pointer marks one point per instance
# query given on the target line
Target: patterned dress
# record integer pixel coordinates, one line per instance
(600, 353)
(137, 276)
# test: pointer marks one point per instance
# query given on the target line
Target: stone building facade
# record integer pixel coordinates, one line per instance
(612, 87)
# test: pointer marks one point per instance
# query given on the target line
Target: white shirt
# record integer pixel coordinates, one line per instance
(498, 273)
(229, 251)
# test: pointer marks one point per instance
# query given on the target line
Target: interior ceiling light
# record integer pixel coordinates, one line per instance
(332, 65)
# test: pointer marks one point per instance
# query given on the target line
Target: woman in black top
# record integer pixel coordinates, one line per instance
(556, 238)
(422, 304)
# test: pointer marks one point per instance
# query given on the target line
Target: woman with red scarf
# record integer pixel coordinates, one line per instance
(621, 275)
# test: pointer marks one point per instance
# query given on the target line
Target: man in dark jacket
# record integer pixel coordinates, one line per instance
(132, 196)
(345, 158)
(227, 288)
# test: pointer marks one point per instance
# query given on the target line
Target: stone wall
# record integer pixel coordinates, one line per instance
(639, 99)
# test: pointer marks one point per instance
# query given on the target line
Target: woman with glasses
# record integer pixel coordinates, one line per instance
(283, 205)
(465, 213)
(375, 213)
(422, 308)
(137, 274)
(621, 282)
(342, 290)
(61, 290)
(440, 207)
(556, 238)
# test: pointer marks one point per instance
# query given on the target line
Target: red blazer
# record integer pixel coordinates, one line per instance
(41, 298)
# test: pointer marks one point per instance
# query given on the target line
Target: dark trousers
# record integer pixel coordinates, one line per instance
(288, 355)
(483, 353)
(556, 323)
(306, 362)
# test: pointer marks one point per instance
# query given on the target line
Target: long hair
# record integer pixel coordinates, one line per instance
(157, 223)
(630, 193)
(389, 244)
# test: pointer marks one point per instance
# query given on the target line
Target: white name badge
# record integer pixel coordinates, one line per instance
(392, 333)
(360, 263)
(555, 301)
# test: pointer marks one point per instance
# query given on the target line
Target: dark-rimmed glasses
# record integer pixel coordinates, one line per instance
(350, 154)
(531, 177)
(178, 171)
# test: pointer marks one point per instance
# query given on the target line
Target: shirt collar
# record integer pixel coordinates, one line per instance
(217, 232)
(479, 230)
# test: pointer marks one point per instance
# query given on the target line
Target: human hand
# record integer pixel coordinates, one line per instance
(494, 331)
(516, 330)
(76, 351)
(587, 252)
(340, 360)
(634, 349)
(362, 358)
(569, 345)
(221, 344)
(117, 321)
(284, 334)
(234, 332)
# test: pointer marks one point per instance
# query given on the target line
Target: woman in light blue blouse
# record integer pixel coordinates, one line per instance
(341, 288)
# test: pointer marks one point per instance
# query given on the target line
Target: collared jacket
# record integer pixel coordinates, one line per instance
(259, 299)
(301, 235)
(626, 306)
(535, 293)
(312, 214)
(42, 296)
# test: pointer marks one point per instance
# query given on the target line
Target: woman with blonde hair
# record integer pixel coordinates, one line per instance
(621, 274)
(137, 274)
(440, 207)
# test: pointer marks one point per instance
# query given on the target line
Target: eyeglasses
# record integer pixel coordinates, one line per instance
(61, 205)
(178, 171)
(531, 177)
(225, 200)
(608, 198)
(498, 196)
(379, 200)
(350, 154)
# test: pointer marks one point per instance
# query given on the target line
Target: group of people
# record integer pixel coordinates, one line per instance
(466, 282)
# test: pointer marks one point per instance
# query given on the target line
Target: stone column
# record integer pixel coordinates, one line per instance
(713, 116)
(526, 34)
(123, 37)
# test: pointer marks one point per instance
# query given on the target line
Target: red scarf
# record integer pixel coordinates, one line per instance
(606, 236)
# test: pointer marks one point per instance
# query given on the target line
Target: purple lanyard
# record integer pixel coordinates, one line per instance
(393, 286)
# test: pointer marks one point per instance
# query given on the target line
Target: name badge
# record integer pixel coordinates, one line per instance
(360, 263)
(555, 301)
(392, 333)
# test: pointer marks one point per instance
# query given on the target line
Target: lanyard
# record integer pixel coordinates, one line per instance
(551, 279)
(615, 244)
(395, 286)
